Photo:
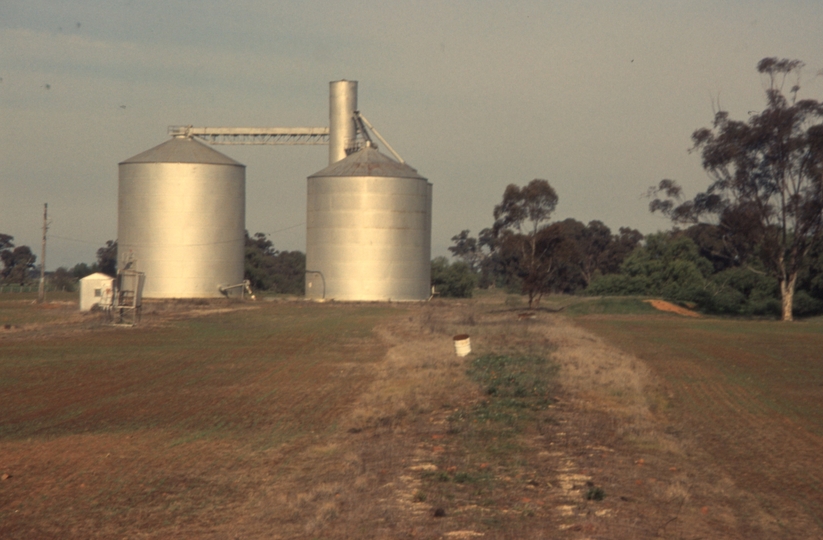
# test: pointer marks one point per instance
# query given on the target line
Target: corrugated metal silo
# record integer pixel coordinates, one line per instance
(181, 216)
(368, 233)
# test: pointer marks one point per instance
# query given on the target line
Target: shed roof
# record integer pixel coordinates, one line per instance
(96, 276)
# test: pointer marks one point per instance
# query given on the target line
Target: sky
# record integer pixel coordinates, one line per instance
(600, 98)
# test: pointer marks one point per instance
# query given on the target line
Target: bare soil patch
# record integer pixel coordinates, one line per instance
(662, 305)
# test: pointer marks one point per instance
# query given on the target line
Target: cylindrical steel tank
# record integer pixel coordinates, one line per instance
(368, 231)
(181, 217)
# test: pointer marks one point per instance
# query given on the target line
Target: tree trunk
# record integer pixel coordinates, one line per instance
(787, 296)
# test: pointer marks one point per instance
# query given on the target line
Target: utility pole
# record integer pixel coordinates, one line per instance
(41, 294)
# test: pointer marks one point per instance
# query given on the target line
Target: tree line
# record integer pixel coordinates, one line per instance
(525, 251)
(266, 268)
(750, 244)
(20, 268)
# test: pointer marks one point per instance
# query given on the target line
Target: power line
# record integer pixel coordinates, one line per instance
(288, 228)
(153, 244)
(181, 245)
(75, 240)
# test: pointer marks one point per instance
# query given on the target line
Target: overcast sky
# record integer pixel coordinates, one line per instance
(599, 98)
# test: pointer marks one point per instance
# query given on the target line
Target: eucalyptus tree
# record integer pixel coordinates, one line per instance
(519, 220)
(766, 179)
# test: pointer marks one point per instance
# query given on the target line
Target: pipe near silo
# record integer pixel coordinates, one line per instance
(342, 131)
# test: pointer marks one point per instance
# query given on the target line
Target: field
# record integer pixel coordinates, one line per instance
(748, 395)
(289, 419)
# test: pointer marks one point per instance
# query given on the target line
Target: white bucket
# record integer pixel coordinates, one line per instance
(462, 345)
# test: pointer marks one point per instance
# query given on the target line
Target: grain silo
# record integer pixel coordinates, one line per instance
(181, 218)
(368, 230)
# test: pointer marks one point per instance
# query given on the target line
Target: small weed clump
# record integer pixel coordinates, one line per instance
(515, 382)
(462, 477)
(595, 493)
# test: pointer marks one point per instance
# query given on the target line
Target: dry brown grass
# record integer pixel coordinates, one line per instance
(600, 378)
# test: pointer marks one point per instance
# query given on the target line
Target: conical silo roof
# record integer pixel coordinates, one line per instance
(182, 150)
(368, 162)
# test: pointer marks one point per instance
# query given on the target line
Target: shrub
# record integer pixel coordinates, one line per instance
(595, 493)
(618, 285)
(453, 280)
(806, 305)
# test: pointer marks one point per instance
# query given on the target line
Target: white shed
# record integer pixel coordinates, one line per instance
(96, 289)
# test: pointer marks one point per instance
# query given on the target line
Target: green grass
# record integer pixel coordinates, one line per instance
(486, 437)
(516, 387)
(51, 296)
(609, 305)
(18, 309)
(522, 377)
